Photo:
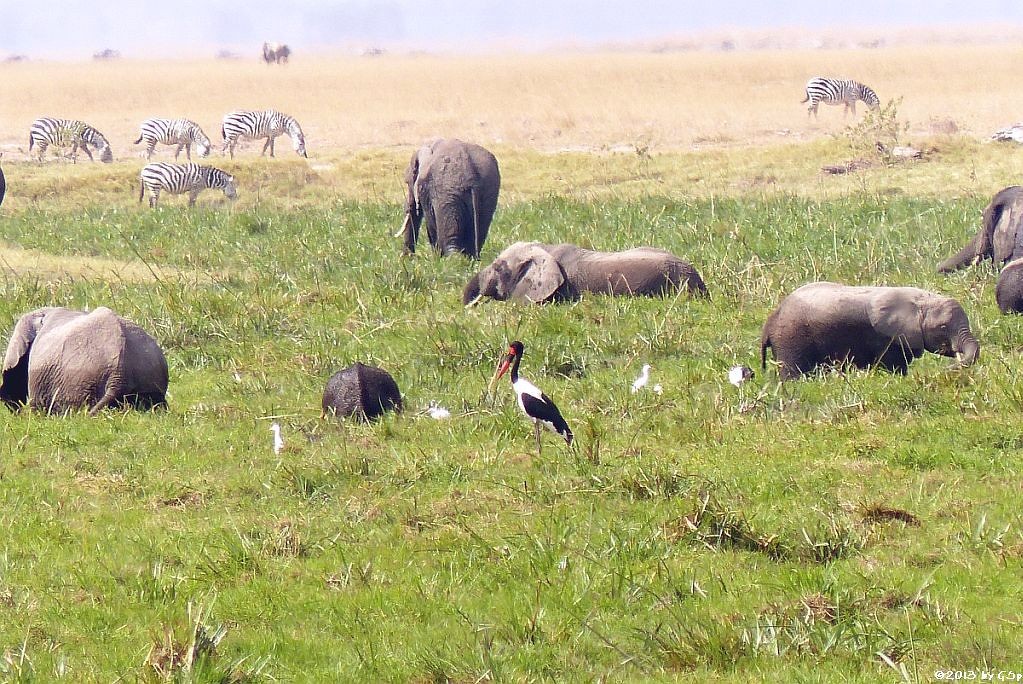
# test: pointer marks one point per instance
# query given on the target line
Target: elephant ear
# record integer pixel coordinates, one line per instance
(897, 314)
(21, 340)
(1005, 233)
(538, 275)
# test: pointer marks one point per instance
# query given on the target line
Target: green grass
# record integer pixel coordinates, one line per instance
(843, 528)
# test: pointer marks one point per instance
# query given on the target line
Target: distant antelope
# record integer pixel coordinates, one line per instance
(68, 132)
(181, 132)
(276, 53)
(267, 124)
(834, 91)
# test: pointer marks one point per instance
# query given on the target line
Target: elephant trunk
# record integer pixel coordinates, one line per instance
(961, 260)
(471, 294)
(966, 348)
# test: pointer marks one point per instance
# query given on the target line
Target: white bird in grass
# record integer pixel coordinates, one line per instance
(739, 374)
(438, 412)
(275, 427)
(643, 379)
(658, 390)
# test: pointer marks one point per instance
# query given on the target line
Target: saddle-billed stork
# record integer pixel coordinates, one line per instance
(537, 406)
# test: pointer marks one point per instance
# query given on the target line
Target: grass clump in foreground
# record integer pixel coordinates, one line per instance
(846, 527)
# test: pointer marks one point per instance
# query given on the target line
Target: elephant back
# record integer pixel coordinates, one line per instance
(1009, 290)
(361, 391)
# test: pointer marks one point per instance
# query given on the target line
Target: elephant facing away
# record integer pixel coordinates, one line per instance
(1000, 237)
(537, 272)
(454, 186)
(827, 323)
(59, 359)
(360, 391)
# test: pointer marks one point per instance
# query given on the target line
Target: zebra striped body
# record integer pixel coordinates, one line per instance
(67, 132)
(834, 91)
(267, 124)
(276, 53)
(181, 132)
(178, 178)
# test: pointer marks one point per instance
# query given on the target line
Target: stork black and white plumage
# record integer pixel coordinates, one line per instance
(537, 406)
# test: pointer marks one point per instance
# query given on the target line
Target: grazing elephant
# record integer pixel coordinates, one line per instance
(1000, 237)
(1009, 290)
(864, 326)
(362, 391)
(59, 359)
(536, 272)
(453, 184)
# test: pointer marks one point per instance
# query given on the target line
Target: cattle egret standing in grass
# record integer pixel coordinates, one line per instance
(275, 427)
(739, 374)
(438, 412)
(643, 379)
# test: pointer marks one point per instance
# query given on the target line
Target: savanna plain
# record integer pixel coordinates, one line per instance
(848, 527)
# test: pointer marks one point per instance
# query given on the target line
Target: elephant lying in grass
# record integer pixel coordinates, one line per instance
(1000, 236)
(824, 323)
(59, 359)
(537, 272)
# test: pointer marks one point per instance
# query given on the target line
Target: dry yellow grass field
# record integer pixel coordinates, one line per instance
(546, 102)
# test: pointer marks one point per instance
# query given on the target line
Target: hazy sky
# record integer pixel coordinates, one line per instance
(77, 28)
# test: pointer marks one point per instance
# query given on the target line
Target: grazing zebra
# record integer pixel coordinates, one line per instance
(64, 132)
(179, 178)
(180, 132)
(834, 91)
(266, 124)
(276, 53)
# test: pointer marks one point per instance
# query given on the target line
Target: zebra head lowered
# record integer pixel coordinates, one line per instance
(297, 138)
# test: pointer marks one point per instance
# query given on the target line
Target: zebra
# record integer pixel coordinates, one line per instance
(47, 131)
(179, 178)
(835, 91)
(276, 53)
(181, 132)
(266, 124)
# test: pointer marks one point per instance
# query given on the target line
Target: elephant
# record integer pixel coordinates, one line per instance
(454, 184)
(1000, 237)
(361, 391)
(1009, 290)
(59, 359)
(826, 322)
(537, 272)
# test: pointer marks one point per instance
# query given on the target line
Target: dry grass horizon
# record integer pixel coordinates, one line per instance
(545, 102)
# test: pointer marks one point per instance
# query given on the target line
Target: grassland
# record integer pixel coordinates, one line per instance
(855, 527)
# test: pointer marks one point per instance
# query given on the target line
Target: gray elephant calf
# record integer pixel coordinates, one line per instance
(1009, 290)
(824, 323)
(1000, 237)
(59, 359)
(454, 185)
(537, 272)
(360, 391)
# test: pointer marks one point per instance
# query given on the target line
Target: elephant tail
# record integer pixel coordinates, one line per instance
(476, 246)
(764, 344)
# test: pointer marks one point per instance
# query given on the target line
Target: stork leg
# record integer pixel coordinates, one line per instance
(536, 431)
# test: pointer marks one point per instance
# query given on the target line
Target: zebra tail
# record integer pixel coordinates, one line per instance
(139, 140)
(806, 97)
(31, 141)
(223, 132)
(142, 189)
